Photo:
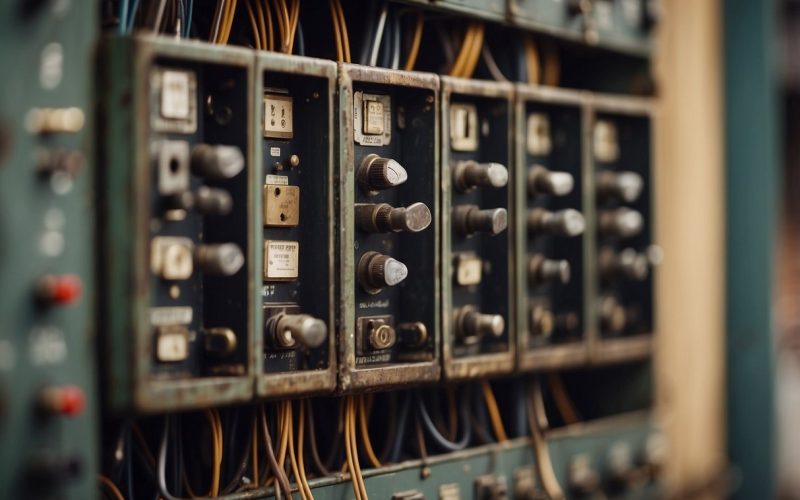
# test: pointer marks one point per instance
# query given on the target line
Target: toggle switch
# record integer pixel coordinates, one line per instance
(376, 173)
(225, 259)
(217, 162)
(413, 334)
(470, 219)
(219, 341)
(628, 264)
(383, 218)
(470, 174)
(376, 271)
(212, 201)
(288, 330)
(58, 289)
(543, 270)
(471, 325)
(542, 321)
(623, 186)
(620, 222)
(568, 222)
(544, 181)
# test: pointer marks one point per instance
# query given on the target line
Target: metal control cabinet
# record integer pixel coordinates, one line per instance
(295, 340)
(388, 262)
(179, 253)
(477, 177)
(620, 138)
(48, 405)
(553, 245)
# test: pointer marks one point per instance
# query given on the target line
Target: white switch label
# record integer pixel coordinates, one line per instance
(175, 95)
(281, 259)
(278, 116)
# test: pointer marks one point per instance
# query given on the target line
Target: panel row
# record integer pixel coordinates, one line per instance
(277, 225)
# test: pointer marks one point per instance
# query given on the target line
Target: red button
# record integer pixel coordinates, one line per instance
(67, 400)
(61, 289)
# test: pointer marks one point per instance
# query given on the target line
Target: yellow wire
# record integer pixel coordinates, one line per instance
(552, 65)
(108, 483)
(416, 41)
(294, 21)
(463, 53)
(531, 59)
(284, 434)
(494, 411)
(229, 21)
(348, 448)
(475, 52)
(270, 26)
(283, 22)
(301, 423)
(254, 453)
(343, 26)
(561, 398)
(543, 463)
(452, 414)
(253, 24)
(337, 35)
(217, 459)
(292, 455)
(364, 430)
(356, 460)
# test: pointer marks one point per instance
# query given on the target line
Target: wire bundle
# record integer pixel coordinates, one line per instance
(470, 52)
(340, 34)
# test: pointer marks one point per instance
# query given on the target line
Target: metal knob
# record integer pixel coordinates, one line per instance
(471, 325)
(376, 173)
(543, 270)
(217, 162)
(544, 181)
(542, 321)
(620, 222)
(287, 330)
(469, 219)
(412, 334)
(582, 478)
(224, 259)
(213, 201)
(376, 271)
(383, 218)
(381, 336)
(622, 186)
(628, 264)
(567, 223)
(470, 174)
(613, 316)
(219, 341)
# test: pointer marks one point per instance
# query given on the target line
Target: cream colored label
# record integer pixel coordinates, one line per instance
(172, 344)
(175, 95)
(170, 316)
(281, 260)
(468, 270)
(278, 116)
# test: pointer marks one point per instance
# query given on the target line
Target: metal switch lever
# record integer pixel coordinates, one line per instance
(376, 271)
(217, 162)
(287, 330)
(568, 222)
(628, 264)
(471, 325)
(470, 174)
(544, 270)
(623, 186)
(383, 218)
(620, 222)
(544, 181)
(469, 219)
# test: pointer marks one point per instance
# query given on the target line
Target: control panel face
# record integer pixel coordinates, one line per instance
(189, 175)
(390, 124)
(621, 152)
(298, 219)
(552, 225)
(477, 259)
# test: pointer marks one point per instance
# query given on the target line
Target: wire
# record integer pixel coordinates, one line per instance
(363, 421)
(531, 59)
(552, 64)
(397, 448)
(301, 39)
(440, 440)
(254, 449)
(110, 486)
(123, 16)
(352, 450)
(281, 481)
(159, 17)
(301, 425)
(312, 440)
(295, 21)
(283, 435)
(189, 13)
(452, 414)
(376, 40)
(475, 51)
(349, 451)
(217, 21)
(423, 450)
(463, 53)
(491, 64)
(216, 452)
(337, 34)
(416, 41)
(396, 42)
(565, 407)
(253, 24)
(292, 456)
(537, 420)
(494, 411)
(391, 426)
(343, 28)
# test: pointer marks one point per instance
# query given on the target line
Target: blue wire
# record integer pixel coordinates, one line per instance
(397, 447)
(442, 441)
(123, 16)
(301, 40)
(187, 32)
(132, 16)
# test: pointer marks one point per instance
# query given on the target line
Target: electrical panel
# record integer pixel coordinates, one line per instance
(552, 240)
(295, 100)
(478, 308)
(280, 244)
(179, 259)
(389, 245)
(48, 402)
(621, 152)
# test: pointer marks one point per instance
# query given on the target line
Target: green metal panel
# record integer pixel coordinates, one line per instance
(752, 131)
(46, 226)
